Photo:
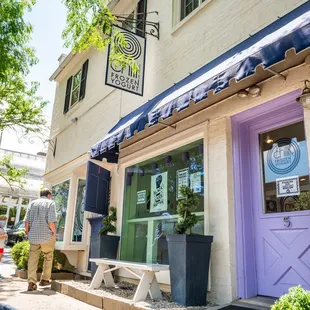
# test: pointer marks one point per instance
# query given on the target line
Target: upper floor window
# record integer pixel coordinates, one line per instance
(76, 87)
(135, 22)
(188, 6)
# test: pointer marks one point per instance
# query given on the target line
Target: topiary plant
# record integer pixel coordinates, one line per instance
(108, 221)
(185, 207)
(296, 299)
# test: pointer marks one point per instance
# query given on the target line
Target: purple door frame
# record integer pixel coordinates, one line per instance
(287, 107)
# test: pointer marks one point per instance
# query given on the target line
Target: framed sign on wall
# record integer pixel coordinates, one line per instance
(124, 78)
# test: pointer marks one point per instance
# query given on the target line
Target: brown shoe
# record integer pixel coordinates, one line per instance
(32, 287)
(45, 283)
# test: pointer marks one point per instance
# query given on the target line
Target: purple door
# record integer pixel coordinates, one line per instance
(280, 190)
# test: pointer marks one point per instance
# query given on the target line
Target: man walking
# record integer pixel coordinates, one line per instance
(41, 231)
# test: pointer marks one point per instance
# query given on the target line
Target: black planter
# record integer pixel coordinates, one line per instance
(189, 258)
(103, 247)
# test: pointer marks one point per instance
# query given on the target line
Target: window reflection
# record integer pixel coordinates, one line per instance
(79, 212)
(60, 196)
(151, 198)
(285, 169)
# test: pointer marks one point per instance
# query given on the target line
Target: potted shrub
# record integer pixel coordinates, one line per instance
(296, 299)
(104, 245)
(189, 255)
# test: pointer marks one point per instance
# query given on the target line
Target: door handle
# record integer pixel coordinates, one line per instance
(287, 222)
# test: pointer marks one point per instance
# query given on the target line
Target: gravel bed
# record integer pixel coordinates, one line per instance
(125, 292)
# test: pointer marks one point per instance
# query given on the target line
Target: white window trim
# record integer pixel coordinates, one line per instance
(199, 135)
(176, 14)
(71, 105)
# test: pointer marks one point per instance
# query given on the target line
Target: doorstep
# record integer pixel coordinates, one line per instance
(254, 303)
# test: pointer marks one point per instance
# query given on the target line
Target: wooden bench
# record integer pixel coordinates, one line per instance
(144, 272)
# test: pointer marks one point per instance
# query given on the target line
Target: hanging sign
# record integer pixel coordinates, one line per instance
(124, 78)
(182, 180)
(141, 197)
(159, 192)
(288, 186)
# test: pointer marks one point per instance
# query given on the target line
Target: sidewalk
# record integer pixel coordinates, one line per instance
(13, 291)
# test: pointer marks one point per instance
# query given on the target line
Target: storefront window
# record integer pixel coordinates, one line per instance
(60, 196)
(79, 212)
(151, 197)
(285, 169)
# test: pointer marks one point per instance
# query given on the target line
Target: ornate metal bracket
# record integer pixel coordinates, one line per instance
(153, 27)
(48, 144)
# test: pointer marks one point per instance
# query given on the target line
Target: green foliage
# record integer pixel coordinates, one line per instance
(185, 207)
(303, 202)
(296, 299)
(89, 25)
(108, 222)
(20, 107)
(20, 256)
(12, 175)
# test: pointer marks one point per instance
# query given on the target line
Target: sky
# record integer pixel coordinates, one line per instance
(48, 19)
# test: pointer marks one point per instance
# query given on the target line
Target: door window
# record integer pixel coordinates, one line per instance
(285, 169)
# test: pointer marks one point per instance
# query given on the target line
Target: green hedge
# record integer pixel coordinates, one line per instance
(296, 299)
(20, 255)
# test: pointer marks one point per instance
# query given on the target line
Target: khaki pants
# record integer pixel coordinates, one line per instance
(34, 254)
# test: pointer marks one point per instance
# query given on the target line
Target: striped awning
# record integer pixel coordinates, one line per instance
(266, 48)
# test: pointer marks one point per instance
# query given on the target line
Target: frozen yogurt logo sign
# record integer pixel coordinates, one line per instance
(284, 156)
(125, 78)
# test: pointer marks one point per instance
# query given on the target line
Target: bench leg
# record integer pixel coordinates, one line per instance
(155, 292)
(108, 278)
(98, 277)
(144, 286)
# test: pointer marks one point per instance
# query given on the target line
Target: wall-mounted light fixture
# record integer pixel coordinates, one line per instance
(253, 91)
(185, 157)
(269, 140)
(154, 166)
(304, 98)
(168, 160)
(141, 171)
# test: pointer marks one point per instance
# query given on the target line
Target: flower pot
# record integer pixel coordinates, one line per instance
(103, 247)
(189, 258)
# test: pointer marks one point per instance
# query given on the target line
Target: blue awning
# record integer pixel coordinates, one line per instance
(266, 48)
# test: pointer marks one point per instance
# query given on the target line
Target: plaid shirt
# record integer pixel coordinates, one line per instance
(41, 212)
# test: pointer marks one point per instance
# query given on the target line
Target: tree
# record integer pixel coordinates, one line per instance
(89, 25)
(20, 107)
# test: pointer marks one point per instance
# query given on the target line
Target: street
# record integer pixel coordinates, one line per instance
(13, 291)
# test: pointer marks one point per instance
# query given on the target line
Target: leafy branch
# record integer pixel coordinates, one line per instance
(11, 175)
(89, 25)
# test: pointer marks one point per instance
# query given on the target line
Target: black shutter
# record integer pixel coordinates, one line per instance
(97, 189)
(83, 80)
(141, 17)
(68, 95)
